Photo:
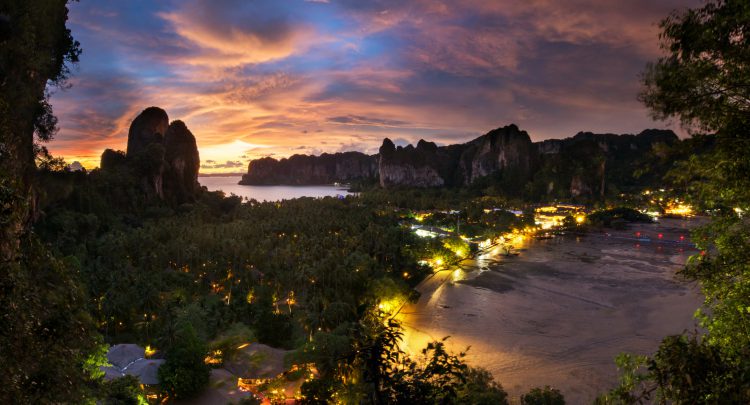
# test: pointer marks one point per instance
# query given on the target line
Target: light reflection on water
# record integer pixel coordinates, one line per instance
(229, 185)
(552, 319)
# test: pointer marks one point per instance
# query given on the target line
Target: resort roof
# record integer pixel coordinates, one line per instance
(257, 361)
(130, 359)
(123, 354)
(111, 372)
(146, 370)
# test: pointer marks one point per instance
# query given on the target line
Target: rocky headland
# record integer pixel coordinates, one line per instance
(584, 164)
(311, 170)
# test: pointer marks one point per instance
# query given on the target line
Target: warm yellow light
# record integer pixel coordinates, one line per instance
(517, 239)
(245, 384)
(421, 217)
(549, 221)
(439, 261)
(390, 305)
(213, 358)
(580, 218)
(150, 351)
(460, 253)
(680, 209)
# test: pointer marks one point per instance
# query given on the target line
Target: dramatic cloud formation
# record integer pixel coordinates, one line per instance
(278, 77)
(236, 32)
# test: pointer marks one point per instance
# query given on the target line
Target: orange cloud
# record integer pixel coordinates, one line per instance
(263, 78)
(226, 36)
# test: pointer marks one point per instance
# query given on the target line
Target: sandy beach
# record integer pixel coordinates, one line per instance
(559, 312)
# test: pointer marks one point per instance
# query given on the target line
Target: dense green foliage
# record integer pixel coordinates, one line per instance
(308, 274)
(184, 374)
(37, 48)
(311, 274)
(46, 334)
(703, 81)
(704, 78)
(238, 263)
(376, 371)
(122, 391)
(543, 396)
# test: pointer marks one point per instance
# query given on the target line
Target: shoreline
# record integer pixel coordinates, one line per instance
(560, 312)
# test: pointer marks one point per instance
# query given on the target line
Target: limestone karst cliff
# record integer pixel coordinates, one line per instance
(585, 164)
(148, 128)
(500, 149)
(505, 149)
(417, 167)
(146, 147)
(163, 156)
(589, 163)
(304, 169)
(182, 162)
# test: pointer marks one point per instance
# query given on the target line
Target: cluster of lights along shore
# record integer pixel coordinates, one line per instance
(546, 219)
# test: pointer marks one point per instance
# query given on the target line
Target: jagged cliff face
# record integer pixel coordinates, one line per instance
(182, 161)
(146, 147)
(163, 157)
(410, 166)
(355, 166)
(500, 149)
(505, 149)
(303, 169)
(583, 165)
(593, 164)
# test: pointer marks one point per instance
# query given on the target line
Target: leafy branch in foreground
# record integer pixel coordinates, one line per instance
(705, 82)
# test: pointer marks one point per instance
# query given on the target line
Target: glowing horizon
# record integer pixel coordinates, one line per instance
(275, 78)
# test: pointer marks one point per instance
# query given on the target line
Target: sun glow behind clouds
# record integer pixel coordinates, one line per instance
(291, 77)
(230, 157)
(236, 148)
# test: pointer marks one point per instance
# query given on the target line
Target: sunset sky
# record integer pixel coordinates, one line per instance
(274, 78)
